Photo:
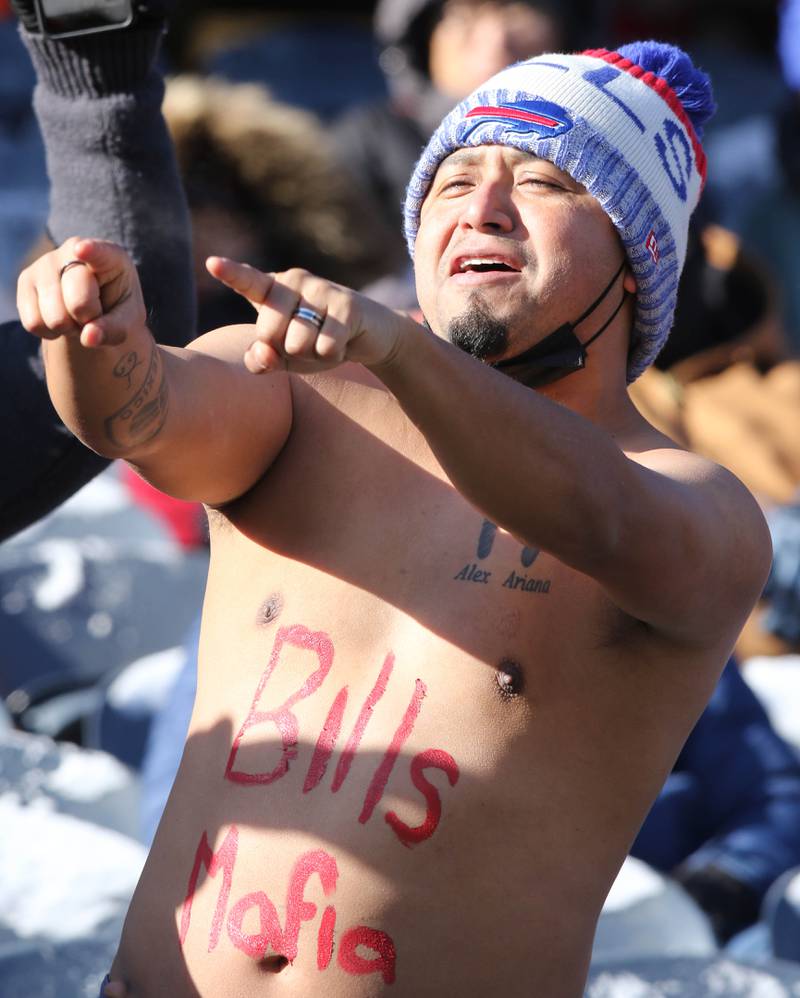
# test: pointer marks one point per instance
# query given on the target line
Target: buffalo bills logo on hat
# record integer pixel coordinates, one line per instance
(540, 116)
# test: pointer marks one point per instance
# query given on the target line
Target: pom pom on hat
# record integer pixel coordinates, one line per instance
(625, 125)
(690, 85)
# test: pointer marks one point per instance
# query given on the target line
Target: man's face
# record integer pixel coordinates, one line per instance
(509, 248)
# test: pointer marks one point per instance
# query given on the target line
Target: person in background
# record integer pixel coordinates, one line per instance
(725, 384)
(23, 176)
(727, 823)
(434, 53)
(112, 172)
(771, 219)
(262, 185)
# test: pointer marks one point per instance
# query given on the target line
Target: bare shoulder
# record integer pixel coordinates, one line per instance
(700, 479)
(226, 425)
(240, 395)
(345, 385)
(226, 343)
(722, 532)
(707, 479)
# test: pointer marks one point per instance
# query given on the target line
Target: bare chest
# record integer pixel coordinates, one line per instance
(364, 506)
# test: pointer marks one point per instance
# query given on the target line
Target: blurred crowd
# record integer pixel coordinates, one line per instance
(296, 130)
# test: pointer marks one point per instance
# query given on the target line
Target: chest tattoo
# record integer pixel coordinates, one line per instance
(477, 570)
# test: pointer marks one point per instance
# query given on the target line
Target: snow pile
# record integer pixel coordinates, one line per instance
(775, 680)
(62, 879)
(89, 785)
(636, 882)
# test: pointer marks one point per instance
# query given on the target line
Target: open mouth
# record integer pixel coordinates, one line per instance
(484, 265)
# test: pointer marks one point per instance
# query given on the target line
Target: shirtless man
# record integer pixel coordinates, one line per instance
(456, 630)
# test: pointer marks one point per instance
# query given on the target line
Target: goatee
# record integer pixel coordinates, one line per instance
(478, 333)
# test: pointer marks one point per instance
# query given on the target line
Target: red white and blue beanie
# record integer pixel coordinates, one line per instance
(624, 124)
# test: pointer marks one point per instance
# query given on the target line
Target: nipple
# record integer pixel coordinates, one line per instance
(510, 679)
(269, 610)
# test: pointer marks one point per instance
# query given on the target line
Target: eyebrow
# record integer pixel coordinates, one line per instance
(469, 156)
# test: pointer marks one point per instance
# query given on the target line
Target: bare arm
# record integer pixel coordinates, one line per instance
(676, 542)
(190, 420)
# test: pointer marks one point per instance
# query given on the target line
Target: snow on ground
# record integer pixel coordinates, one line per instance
(776, 682)
(85, 784)
(62, 879)
(636, 882)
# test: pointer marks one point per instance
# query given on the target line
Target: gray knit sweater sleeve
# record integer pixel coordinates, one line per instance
(111, 164)
(113, 175)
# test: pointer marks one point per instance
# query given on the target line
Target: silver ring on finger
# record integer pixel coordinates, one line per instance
(70, 265)
(310, 315)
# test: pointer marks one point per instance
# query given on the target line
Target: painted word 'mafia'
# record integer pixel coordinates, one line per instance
(270, 934)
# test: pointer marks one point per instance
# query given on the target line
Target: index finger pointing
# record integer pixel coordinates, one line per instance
(252, 284)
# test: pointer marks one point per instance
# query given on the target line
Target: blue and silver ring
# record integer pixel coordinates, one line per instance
(309, 315)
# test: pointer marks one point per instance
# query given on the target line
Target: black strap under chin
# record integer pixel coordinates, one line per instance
(597, 301)
(608, 321)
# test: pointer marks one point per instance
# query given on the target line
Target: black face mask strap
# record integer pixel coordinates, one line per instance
(608, 321)
(598, 300)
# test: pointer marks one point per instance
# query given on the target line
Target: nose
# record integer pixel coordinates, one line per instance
(489, 208)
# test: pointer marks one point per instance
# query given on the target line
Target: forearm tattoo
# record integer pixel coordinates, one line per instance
(144, 414)
(125, 367)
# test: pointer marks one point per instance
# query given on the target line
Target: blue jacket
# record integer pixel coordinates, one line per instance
(732, 801)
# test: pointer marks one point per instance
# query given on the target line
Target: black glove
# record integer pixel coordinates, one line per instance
(96, 64)
(26, 12)
(149, 12)
(730, 905)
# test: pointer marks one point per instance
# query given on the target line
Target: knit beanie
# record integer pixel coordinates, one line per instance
(627, 126)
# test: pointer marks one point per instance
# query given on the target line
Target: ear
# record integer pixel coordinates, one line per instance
(629, 282)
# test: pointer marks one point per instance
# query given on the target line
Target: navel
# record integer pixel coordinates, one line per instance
(273, 964)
